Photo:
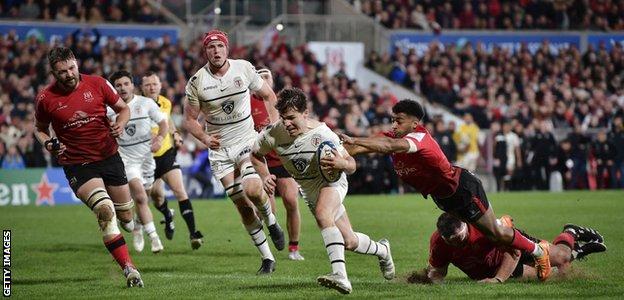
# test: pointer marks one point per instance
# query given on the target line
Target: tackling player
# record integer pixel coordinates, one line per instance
(167, 169)
(419, 162)
(463, 245)
(295, 140)
(220, 92)
(286, 186)
(75, 105)
(136, 147)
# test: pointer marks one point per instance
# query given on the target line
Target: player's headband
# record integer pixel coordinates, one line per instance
(216, 35)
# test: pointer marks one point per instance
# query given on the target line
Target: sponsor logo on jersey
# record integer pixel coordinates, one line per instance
(88, 97)
(131, 129)
(238, 82)
(227, 106)
(300, 164)
(210, 87)
(78, 119)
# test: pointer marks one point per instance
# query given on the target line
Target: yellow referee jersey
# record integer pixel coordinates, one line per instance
(165, 108)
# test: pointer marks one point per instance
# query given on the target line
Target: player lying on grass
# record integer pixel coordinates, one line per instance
(419, 162)
(295, 139)
(463, 245)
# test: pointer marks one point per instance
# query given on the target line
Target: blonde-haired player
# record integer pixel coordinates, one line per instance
(220, 91)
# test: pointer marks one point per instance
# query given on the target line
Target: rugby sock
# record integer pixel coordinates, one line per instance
(164, 209)
(368, 246)
(150, 229)
(265, 210)
(334, 244)
(186, 209)
(565, 238)
(118, 249)
(259, 239)
(520, 242)
(293, 246)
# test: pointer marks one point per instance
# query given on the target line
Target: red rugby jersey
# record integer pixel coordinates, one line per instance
(427, 169)
(79, 118)
(479, 258)
(260, 117)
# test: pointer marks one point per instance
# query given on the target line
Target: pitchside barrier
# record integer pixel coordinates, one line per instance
(48, 187)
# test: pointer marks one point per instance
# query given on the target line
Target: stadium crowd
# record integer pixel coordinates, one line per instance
(531, 102)
(496, 14)
(137, 11)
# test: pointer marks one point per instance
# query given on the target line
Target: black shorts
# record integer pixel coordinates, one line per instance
(165, 163)
(279, 172)
(469, 201)
(525, 259)
(111, 170)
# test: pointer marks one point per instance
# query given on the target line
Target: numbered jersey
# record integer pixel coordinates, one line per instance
(298, 155)
(135, 141)
(425, 166)
(225, 101)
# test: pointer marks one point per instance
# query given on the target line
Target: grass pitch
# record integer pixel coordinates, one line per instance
(57, 252)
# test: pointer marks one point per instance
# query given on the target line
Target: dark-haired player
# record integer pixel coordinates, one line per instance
(295, 139)
(286, 186)
(463, 245)
(419, 162)
(75, 105)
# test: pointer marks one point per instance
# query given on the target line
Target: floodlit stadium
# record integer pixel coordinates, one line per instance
(383, 149)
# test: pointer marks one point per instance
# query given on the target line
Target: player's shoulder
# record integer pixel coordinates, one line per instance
(46, 93)
(92, 79)
(241, 63)
(143, 100)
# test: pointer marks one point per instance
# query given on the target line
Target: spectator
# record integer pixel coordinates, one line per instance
(13, 160)
(604, 153)
(616, 137)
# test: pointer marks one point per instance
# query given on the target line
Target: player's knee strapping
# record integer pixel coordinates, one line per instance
(124, 206)
(101, 204)
(235, 191)
(248, 171)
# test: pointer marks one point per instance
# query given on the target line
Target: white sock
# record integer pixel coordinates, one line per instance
(150, 229)
(267, 214)
(537, 251)
(259, 239)
(334, 243)
(368, 246)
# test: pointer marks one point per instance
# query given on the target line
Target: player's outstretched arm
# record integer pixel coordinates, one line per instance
(379, 144)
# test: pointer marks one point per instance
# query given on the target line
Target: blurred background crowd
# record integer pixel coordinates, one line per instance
(532, 120)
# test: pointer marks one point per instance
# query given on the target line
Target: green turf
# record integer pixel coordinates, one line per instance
(57, 252)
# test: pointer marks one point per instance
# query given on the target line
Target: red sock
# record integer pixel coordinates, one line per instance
(293, 246)
(520, 242)
(118, 249)
(565, 238)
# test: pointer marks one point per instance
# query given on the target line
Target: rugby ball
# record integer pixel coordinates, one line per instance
(325, 150)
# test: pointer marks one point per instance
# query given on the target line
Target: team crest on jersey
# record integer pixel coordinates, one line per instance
(238, 82)
(316, 140)
(137, 110)
(131, 129)
(227, 106)
(88, 97)
(300, 164)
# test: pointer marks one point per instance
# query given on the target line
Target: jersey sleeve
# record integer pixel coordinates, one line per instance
(41, 115)
(439, 254)
(191, 91)
(255, 81)
(154, 112)
(414, 140)
(265, 142)
(110, 94)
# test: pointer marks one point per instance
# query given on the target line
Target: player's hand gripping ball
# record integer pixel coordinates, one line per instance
(327, 149)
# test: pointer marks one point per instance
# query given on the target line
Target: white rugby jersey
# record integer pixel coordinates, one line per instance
(134, 142)
(225, 101)
(298, 154)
